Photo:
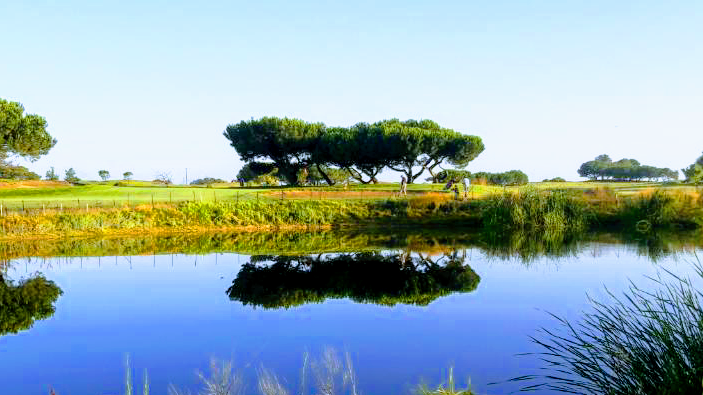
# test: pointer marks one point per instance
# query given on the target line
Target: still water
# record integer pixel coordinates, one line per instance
(403, 314)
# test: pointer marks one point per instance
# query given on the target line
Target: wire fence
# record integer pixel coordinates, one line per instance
(33, 206)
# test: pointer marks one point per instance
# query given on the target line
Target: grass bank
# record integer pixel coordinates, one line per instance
(526, 210)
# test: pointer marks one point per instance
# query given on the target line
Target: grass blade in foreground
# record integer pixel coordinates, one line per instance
(644, 342)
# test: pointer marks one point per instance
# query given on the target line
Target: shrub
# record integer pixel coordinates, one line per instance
(12, 172)
(208, 180)
(555, 179)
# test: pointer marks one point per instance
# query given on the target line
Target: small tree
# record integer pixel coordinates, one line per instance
(164, 178)
(127, 175)
(71, 175)
(51, 175)
(104, 174)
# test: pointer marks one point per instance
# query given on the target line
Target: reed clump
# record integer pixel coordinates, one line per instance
(645, 342)
(655, 210)
(534, 211)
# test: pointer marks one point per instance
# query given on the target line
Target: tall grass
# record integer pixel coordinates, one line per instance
(534, 211)
(643, 342)
(526, 210)
(655, 210)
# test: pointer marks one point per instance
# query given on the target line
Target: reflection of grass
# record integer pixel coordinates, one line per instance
(526, 246)
(643, 343)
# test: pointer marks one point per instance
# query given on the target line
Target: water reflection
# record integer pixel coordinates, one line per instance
(363, 277)
(23, 303)
(524, 246)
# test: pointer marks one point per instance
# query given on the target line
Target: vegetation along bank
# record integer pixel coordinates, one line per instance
(526, 209)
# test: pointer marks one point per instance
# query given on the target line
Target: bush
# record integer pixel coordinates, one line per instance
(512, 177)
(11, 172)
(555, 179)
(208, 180)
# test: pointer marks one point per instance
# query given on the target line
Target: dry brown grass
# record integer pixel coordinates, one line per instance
(423, 200)
(316, 195)
(33, 184)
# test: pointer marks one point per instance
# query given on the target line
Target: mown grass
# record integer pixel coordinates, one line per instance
(15, 196)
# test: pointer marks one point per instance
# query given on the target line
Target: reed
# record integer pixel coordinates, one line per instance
(643, 342)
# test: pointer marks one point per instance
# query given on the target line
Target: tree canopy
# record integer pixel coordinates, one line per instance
(22, 134)
(694, 172)
(625, 169)
(23, 303)
(511, 177)
(363, 150)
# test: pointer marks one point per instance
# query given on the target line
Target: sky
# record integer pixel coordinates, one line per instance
(149, 86)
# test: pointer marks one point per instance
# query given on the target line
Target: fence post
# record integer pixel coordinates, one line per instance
(214, 193)
(193, 195)
(152, 200)
(237, 197)
(86, 207)
(281, 194)
(0, 209)
(257, 196)
(23, 206)
(170, 197)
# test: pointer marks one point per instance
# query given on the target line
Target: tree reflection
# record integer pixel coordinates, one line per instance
(363, 277)
(23, 303)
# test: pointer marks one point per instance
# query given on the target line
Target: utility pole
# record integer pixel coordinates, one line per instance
(186, 176)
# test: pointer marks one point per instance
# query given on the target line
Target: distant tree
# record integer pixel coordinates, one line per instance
(555, 179)
(70, 175)
(512, 177)
(104, 174)
(127, 175)
(13, 172)
(23, 303)
(624, 169)
(316, 175)
(694, 172)
(51, 175)
(208, 181)
(164, 178)
(450, 174)
(253, 170)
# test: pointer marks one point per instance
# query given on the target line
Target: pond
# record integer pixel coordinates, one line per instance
(400, 308)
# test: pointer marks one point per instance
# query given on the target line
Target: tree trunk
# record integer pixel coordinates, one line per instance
(324, 175)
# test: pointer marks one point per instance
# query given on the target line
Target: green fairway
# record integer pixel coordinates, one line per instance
(111, 194)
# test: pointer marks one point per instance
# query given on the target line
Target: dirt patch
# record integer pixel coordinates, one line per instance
(316, 195)
(33, 184)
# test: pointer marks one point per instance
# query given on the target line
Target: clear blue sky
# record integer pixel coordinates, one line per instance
(149, 86)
